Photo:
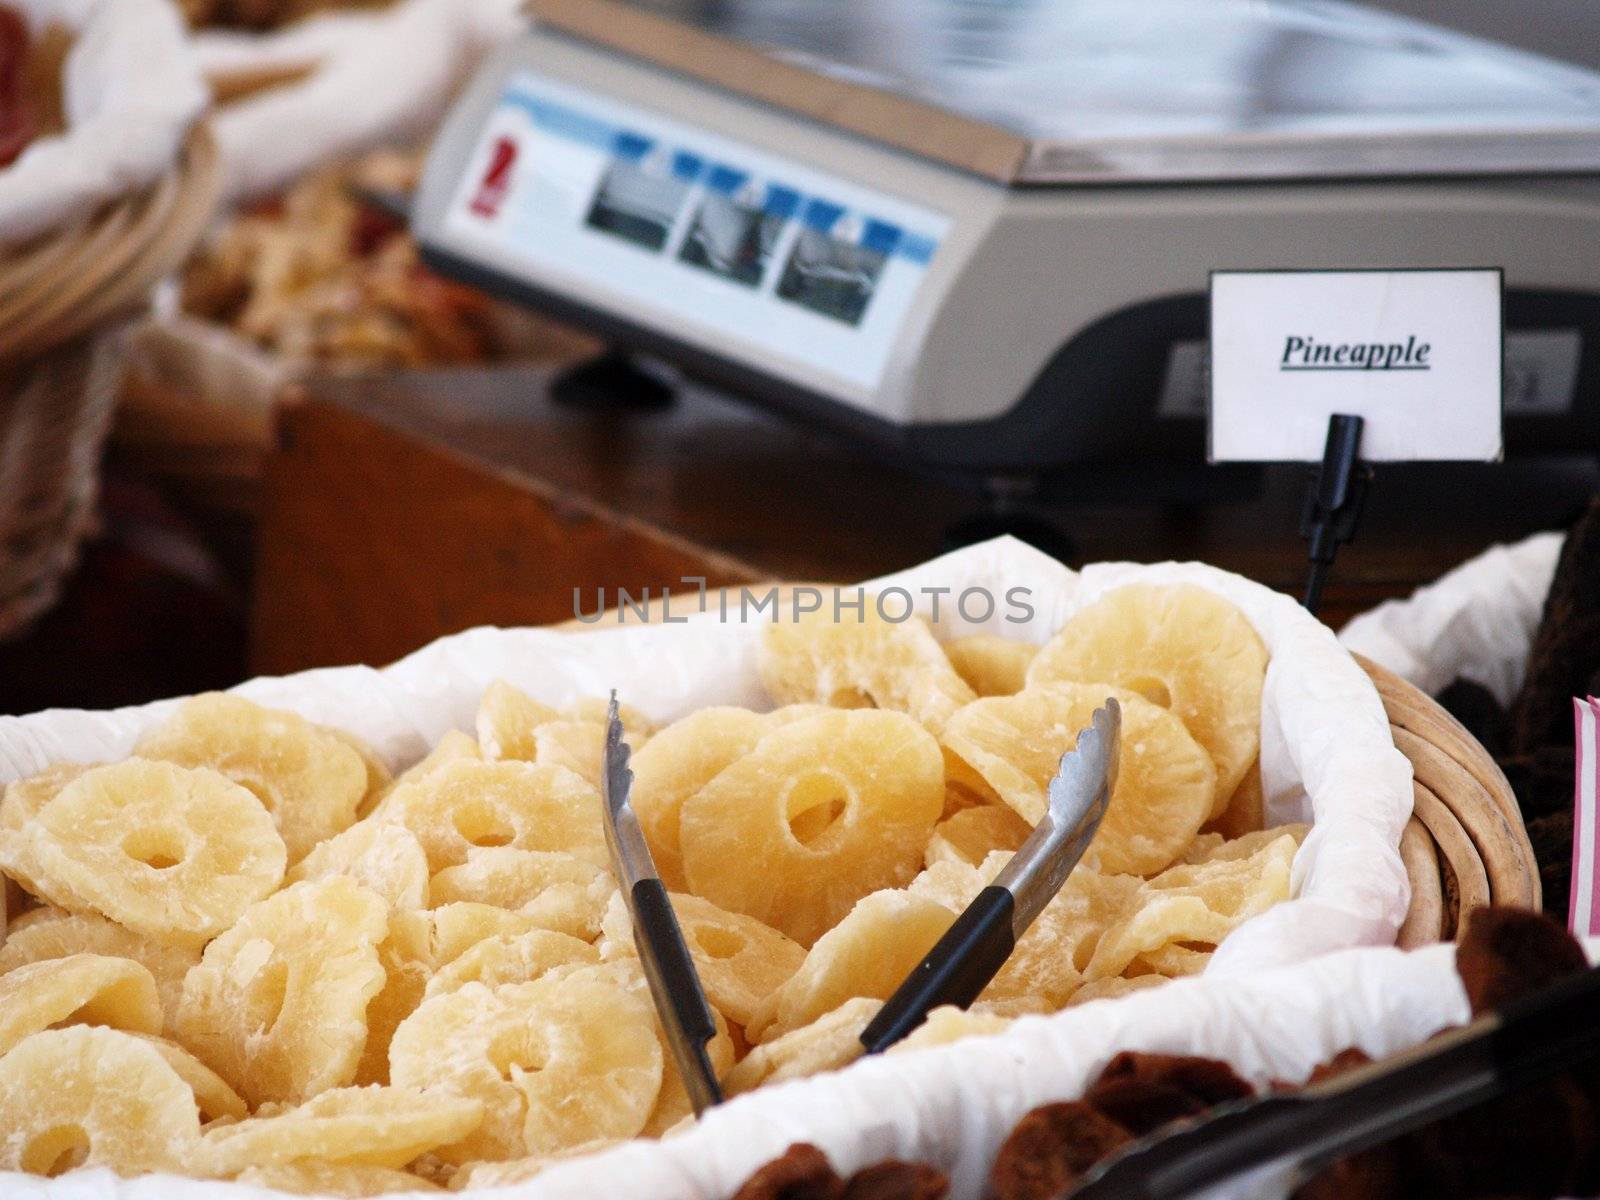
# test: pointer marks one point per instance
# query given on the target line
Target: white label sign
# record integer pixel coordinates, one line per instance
(1418, 354)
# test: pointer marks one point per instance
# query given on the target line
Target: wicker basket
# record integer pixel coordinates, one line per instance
(1465, 844)
(63, 299)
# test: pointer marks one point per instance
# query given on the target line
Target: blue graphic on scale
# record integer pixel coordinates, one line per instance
(833, 260)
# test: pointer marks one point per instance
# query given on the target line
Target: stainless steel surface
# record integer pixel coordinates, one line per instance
(1174, 89)
(1077, 801)
(629, 852)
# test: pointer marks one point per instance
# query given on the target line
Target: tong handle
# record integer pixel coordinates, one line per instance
(955, 971)
(674, 971)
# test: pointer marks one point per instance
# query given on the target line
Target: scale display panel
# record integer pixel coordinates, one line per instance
(742, 249)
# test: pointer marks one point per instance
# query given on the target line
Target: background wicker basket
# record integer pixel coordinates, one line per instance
(63, 299)
(1465, 844)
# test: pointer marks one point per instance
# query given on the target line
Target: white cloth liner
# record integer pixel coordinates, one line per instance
(1327, 754)
(349, 102)
(131, 89)
(1477, 622)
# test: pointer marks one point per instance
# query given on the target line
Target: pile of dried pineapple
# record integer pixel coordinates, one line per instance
(247, 953)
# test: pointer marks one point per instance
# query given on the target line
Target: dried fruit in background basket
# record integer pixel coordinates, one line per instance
(321, 279)
(1565, 655)
(17, 126)
(263, 14)
(278, 1004)
(95, 1098)
(1182, 647)
(311, 780)
(1165, 785)
(171, 853)
(820, 813)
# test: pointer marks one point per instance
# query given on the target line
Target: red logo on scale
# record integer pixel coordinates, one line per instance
(496, 180)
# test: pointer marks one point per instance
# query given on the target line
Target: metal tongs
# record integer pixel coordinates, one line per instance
(977, 946)
(674, 983)
(1270, 1146)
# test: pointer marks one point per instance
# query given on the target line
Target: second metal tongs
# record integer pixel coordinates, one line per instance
(977, 946)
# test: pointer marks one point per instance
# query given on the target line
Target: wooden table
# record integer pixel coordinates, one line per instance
(401, 508)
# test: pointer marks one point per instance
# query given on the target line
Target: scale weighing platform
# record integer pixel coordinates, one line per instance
(980, 234)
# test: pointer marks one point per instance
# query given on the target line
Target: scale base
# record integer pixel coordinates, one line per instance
(612, 382)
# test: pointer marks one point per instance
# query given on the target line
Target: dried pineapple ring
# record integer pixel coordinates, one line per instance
(1165, 781)
(947, 1024)
(278, 1004)
(1199, 902)
(324, 1179)
(381, 855)
(85, 989)
(741, 961)
(637, 727)
(579, 746)
(1175, 960)
(465, 805)
(869, 953)
(558, 891)
(459, 927)
(970, 835)
(171, 853)
(50, 933)
(827, 1044)
(25, 798)
(379, 779)
(992, 666)
(677, 763)
(93, 1098)
(871, 662)
(312, 781)
(566, 1059)
(1111, 989)
(406, 955)
(453, 747)
(1182, 647)
(507, 717)
(823, 811)
(212, 1095)
(362, 1127)
(510, 958)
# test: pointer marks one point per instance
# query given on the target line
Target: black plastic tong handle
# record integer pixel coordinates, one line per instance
(663, 943)
(955, 971)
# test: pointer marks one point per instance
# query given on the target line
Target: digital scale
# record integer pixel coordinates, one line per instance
(980, 234)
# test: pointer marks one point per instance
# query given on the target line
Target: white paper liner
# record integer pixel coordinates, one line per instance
(1327, 754)
(131, 89)
(1476, 623)
(351, 101)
